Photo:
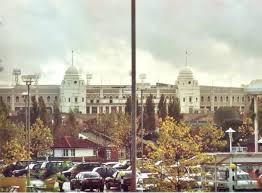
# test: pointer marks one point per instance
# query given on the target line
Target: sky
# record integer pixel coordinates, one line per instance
(223, 39)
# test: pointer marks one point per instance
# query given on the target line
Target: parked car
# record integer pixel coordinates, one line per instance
(109, 164)
(34, 169)
(8, 170)
(122, 166)
(52, 167)
(115, 180)
(81, 167)
(146, 181)
(87, 180)
(104, 171)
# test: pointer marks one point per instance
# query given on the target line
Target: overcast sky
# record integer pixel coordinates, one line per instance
(223, 38)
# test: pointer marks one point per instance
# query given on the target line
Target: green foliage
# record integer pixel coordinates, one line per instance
(227, 117)
(128, 105)
(34, 114)
(71, 127)
(57, 124)
(149, 120)
(4, 110)
(174, 108)
(41, 139)
(162, 108)
(43, 114)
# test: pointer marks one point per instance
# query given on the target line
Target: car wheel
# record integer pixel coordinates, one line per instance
(101, 188)
(108, 187)
(72, 187)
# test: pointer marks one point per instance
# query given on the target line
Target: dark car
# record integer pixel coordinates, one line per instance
(122, 166)
(34, 169)
(80, 167)
(115, 180)
(104, 171)
(8, 171)
(87, 180)
(52, 167)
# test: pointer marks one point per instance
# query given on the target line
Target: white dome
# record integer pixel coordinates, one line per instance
(186, 73)
(255, 87)
(72, 70)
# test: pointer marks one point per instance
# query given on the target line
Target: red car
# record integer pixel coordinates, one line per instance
(87, 180)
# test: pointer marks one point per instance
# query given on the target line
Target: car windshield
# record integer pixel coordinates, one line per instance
(243, 177)
(90, 175)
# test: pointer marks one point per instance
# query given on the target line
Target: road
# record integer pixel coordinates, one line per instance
(66, 188)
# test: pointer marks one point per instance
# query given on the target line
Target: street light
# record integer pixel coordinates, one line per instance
(24, 94)
(230, 132)
(28, 80)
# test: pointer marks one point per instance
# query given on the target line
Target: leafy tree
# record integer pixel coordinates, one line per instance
(177, 149)
(174, 108)
(3, 108)
(149, 120)
(71, 128)
(227, 117)
(41, 139)
(162, 111)
(57, 123)
(43, 114)
(13, 151)
(210, 138)
(128, 105)
(34, 114)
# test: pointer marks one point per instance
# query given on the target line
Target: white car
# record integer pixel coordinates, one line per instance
(145, 181)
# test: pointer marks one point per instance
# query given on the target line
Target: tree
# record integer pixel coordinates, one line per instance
(57, 121)
(210, 138)
(162, 112)
(71, 128)
(149, 120)
(128, 105)
(43, 114)
(177, 149)
(41, 139)
(3, 108)
(13, 151)
(174, 108)
(34, 113)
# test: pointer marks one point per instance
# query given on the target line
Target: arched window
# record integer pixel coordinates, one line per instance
(202, 99)
(238, 99)
(215, 99)
(208, 98)
(8, 99)
(233, 98)
(221, 99)
(55, 98)
(243, 99)
(48, 99)
(17, 99)
(226, 98)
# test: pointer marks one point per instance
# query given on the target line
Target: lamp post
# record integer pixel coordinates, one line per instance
(230, 132)
(28, 80)
(24, 94)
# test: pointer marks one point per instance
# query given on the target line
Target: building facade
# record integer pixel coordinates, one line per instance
(75, 94)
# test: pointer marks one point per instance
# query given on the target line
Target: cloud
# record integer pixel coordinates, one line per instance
(223, 37)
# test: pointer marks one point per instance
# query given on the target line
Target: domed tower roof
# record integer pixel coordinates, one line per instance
(72, 70)
(185, 73)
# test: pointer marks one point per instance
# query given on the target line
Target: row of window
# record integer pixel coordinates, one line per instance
(75, 99)
(94, 110)
(72, 152)
(226, 99)
(17, 99)
(124, 96)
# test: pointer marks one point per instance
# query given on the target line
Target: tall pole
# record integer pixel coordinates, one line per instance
(28, 124)
(256, 124)
(133, 107)
(230, 169)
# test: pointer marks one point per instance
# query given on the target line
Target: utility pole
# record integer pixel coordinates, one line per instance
(133, 106)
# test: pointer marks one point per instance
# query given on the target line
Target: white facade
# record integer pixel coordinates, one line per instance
(188, 91)
(77, 152)
(73, 92)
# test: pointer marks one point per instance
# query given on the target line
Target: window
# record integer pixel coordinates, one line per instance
(125, 97)
(227, 98)
(94, 110)
(233, 98)
(8, 99)
(105, 97)
(48, 99)
(108, 154)
(55, 98)
(221, 99)
(75, 82)
(111, 101)
(208, 98)
(17, 99)
(97, 101)
(83, 99)
(202, 99)
(87, 110)
(238, 99)
(184, 99)
(65, 152)
(94, 152)
(243, 99)
(92, 101)
(196, 99)
(75, 99)
(248, 98)
(69, 100)
(120, 109)
(215, 99)
(73, 153)
(190, 99)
